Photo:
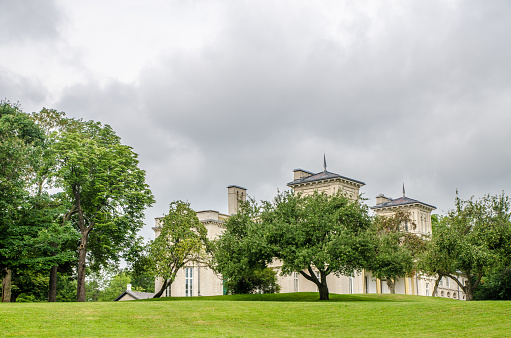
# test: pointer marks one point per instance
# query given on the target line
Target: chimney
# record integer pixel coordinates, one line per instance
(128, 287)
(382, 199)
(300, 173)
(235, 195)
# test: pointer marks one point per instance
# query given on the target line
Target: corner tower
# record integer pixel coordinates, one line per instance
(420, 212)
(306, 182)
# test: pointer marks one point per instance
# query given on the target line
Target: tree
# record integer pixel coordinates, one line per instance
(19, 139)
(472, 240)
(139, 268)
(240, 257)
(396, 249)
(106, 190)
(182, 239)
(318, 232)
(53, 124)
(27, 214)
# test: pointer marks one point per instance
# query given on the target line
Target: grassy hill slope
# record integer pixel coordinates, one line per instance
(297, 314)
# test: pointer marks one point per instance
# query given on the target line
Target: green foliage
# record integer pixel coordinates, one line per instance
(240, 255)
(396, 249)
(19, 141)
(66, 291)
(496, 285)
(140, 269)
(182, 239)
(474, 238)
(105, 190)
(31, 234)
(104, 287)
(318, 232)
(101, 179)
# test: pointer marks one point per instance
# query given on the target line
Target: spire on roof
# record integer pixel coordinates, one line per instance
(403, 189)
(324, 161)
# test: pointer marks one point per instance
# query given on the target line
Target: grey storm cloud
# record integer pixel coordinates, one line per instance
(414, 92)
(28, 20)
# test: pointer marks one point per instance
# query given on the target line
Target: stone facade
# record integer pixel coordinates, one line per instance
(197, 280)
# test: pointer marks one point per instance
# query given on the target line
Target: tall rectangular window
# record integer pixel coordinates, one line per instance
(296, 281)
(447, 281)
(188, 282)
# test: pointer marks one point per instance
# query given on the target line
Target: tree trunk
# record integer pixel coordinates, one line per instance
(82, 255)
(391, 285)
(163, 287)
(323, 292)
(52, 287)
(469, 292)
(435, 289)
(6, 287)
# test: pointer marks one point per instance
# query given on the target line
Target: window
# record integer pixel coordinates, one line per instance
(167, 291)
(448, 295)
(188, 282)
(427, 289)
(350, 285)
(447, 281)
(441, 294)
(454, 295)
(441, 282)
(296, 281)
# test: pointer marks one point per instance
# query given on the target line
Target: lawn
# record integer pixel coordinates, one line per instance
(298, 314)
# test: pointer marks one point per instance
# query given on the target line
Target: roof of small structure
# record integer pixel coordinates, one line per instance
(136, 295)
(401, 201)
(323, 175)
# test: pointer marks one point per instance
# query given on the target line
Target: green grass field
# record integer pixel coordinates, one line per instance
(298, 314)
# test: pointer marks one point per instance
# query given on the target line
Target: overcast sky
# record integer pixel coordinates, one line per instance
(213, 93)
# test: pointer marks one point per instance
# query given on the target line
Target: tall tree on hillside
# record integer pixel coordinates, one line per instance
(396, 248)
(26, 213)
(319, 233)
(31, 236)
(53, 124)
(240, 255)
(19, 139)
(473, 238)
(107, 192)
(182, 239)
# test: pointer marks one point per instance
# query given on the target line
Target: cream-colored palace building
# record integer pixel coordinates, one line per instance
(198, 280)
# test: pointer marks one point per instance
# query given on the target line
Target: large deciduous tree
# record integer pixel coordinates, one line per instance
(19, 139)
(182, 239)
(241, 256)
(27, 213)
(470, 241)
(396, 249)
(328, 234)
(106, 189)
